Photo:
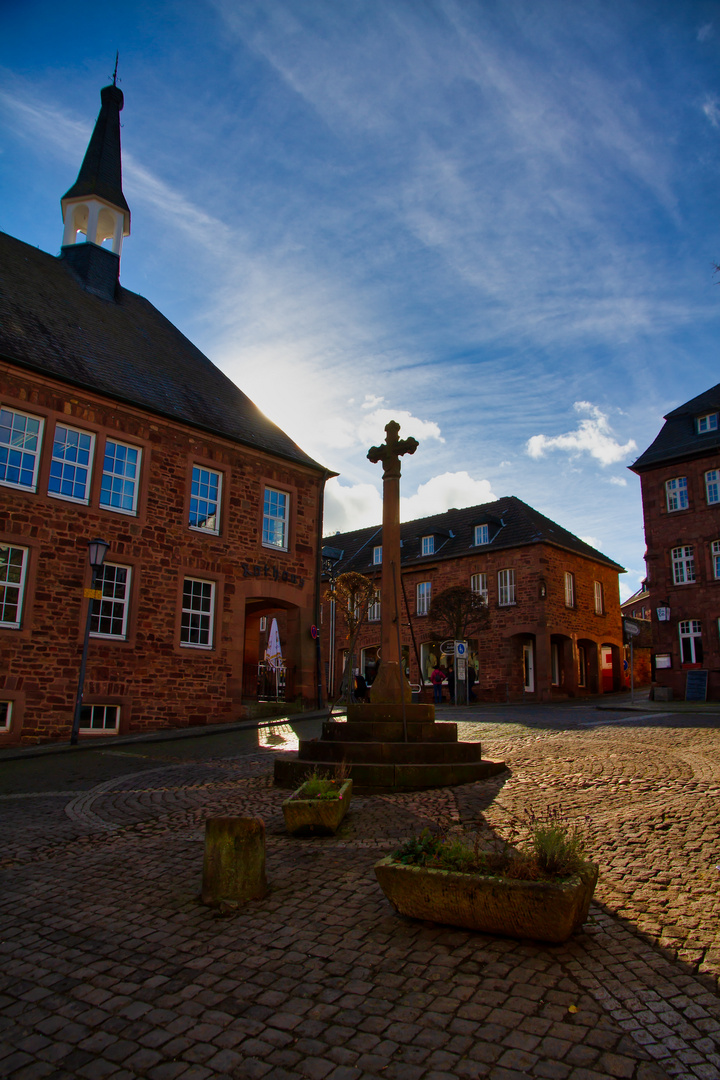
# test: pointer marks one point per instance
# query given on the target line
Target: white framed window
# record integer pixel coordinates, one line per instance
(683, 565)
(377, 554)
(506, 588)
(5, 715)
(428, 545)
(482, 535)
(676, 493)
(275, 519)
(422, 597)
(598, 598)
(715, 555)
(479, 585)
(20, 439)
(71, 464)
(709, 422)
(100, 719)
(198, 608)
(569, 589)
(121, 472)
(691, 650)
(374, 607)
(205, 490)
(13, 564)
(712, 486)
(108, 617)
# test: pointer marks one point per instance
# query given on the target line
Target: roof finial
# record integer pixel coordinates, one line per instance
(114, 78)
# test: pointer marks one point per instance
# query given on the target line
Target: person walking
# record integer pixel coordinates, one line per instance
(436, 678)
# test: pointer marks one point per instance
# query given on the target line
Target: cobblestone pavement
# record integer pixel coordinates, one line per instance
(109, 966)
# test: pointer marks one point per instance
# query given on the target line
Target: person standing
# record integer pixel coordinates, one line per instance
(436, 678)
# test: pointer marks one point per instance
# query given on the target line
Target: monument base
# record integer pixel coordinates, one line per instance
(390, 685)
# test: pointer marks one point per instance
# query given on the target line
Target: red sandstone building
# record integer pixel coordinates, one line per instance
(680, 477)
(554, 625)
(113, 425)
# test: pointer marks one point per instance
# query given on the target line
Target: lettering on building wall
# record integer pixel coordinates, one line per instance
(262, 570)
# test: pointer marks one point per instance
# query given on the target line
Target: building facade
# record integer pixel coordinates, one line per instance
(113, 425)
(680, 478)
(553, 608)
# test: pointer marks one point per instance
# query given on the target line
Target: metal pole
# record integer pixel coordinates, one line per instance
(632, 675)
(83, 664)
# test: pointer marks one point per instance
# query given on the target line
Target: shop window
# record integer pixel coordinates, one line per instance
(71, 464)
(275, 519)
(691, 650)
(198, 608)
(683, 564)
(100, 719)
(121, 471)
(13, 564)
(205, 492)
(676, 493)
(20, 438)
(108, 617)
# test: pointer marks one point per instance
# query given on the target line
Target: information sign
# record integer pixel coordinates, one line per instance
(460, 648)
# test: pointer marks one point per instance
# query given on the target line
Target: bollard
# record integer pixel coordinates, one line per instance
(234, 864)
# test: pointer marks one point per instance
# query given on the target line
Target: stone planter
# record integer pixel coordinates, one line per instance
(320, 817)
(541, 910)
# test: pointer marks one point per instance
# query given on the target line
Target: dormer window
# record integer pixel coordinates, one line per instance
(428, 545)
(482, 535)
(709, 422)
(377, 554)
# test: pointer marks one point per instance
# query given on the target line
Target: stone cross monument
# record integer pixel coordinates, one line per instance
(390, 684)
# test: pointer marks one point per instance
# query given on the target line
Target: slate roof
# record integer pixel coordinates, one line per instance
(101, 171)
(124, 349)
(512, 524)
(678, 439)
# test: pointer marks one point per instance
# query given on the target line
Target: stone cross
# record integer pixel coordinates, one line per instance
(390, 684)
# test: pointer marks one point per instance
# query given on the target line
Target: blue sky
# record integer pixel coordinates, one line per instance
(492, 221)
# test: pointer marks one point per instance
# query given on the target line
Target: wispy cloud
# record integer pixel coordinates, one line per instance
(593, 436)
(711, 108)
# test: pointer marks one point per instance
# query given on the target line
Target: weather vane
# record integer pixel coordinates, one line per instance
(114, 78)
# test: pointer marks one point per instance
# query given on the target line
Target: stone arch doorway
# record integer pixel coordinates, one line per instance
(261, 683)
(610, 668)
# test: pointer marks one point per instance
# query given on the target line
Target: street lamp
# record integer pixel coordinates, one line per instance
(96, 557)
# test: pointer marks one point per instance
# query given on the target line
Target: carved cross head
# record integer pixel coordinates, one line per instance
(392, 450)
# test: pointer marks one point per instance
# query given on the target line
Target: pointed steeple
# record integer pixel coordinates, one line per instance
(94, 209)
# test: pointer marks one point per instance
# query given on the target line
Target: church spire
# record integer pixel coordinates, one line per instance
(94, 209)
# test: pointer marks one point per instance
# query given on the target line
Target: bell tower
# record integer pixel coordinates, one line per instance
(94, 210)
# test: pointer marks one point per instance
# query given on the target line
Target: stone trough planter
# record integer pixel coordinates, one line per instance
(542, 910)
(320, 817)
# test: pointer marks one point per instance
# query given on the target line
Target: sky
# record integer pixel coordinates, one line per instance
(494, 221)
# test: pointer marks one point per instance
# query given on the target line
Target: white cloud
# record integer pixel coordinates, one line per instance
(592, 541)
(357, 506)
(711, 108)
(620, 481)
(593, 436)
(705, 32)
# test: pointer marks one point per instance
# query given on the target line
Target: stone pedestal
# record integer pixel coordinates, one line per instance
(234, 864)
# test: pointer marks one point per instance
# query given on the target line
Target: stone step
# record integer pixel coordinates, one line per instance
(392, 713)
(370, 753)
(388, 731)
(291, 771)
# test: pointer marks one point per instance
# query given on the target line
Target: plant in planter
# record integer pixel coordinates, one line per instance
(320, 804)
(540, 890)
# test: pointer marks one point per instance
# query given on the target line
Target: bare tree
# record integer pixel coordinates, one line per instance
(352, 593)
(457, 613)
